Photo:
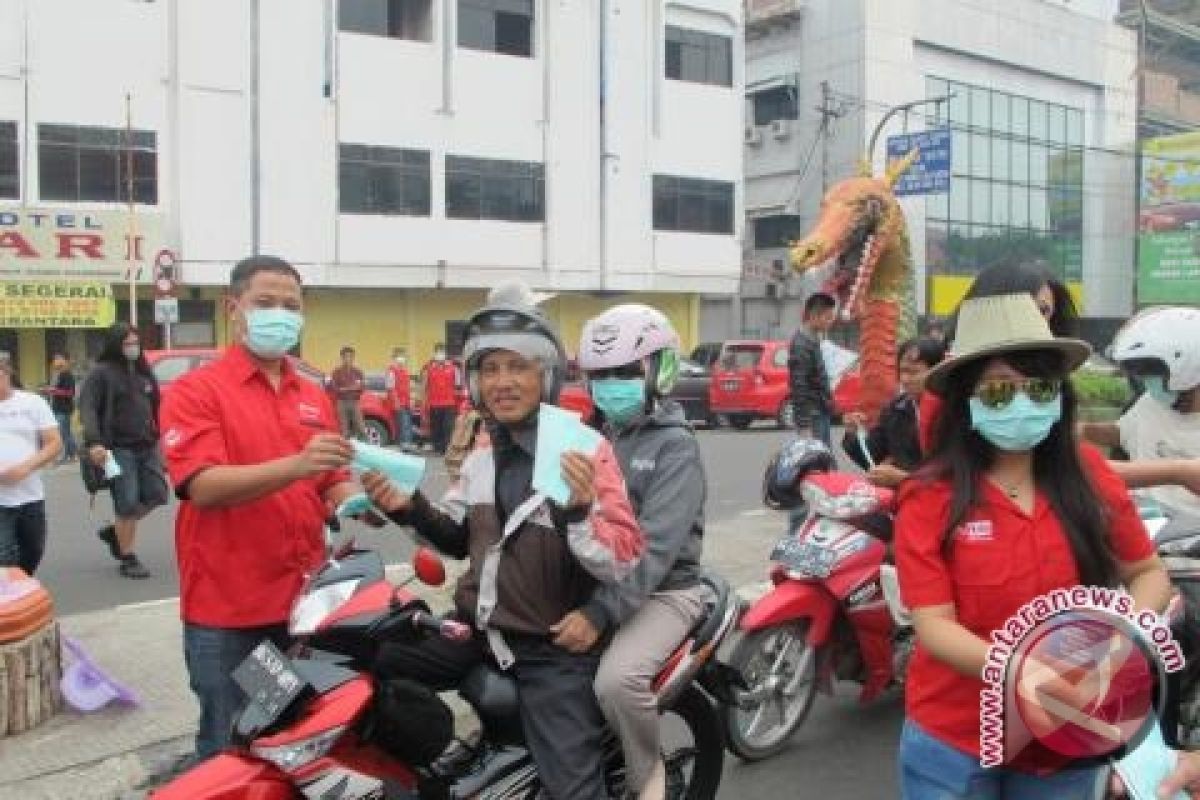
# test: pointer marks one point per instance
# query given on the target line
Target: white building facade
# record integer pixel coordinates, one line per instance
(405, 154)
(1042, 119)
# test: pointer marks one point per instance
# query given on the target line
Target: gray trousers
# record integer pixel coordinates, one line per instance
(624, 682)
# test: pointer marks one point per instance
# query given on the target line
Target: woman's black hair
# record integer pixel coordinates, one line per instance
(930, 351)
(111, 351)
(1010, 276)
(962, 457)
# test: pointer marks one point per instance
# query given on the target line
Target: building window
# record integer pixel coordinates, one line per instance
(699, 57)
(693, 205)
(484, 188)
(1017, 183)
(777, 231)
(498, 26)
(398, 19)
(773, 104)
(78, 164)
(10, 175)
(383, 180)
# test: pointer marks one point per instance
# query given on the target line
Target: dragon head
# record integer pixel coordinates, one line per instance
(859, 228)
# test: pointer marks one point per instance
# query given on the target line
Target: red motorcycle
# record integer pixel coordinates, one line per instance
(831, 609)
(311, 727)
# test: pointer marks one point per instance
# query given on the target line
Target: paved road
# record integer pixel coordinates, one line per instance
(844, 751)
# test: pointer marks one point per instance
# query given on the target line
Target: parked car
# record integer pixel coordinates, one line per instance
(170, 365)
(750, 382)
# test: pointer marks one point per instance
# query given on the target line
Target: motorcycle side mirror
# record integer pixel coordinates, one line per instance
(429, 567)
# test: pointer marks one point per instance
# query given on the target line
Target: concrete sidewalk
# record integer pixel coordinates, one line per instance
(111, 753)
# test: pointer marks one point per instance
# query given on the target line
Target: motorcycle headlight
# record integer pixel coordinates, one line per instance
(315, 606)
(289, 757)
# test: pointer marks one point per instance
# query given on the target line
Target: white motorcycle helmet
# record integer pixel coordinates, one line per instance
(631, 333)
(512, 321)
(1162, 341)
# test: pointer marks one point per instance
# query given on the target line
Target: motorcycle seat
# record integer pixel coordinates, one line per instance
(711, 625)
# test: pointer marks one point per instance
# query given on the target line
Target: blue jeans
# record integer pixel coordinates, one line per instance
(816, 424)
(70, 450)
(23, 535)
(404, 429)
(933, 770)
(211, 655)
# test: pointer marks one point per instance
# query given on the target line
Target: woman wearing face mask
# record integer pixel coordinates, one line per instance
(630, 357)
(1008, 509)
(119, 410)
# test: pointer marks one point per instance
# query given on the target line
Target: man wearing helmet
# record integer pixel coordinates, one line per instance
(1160, 350)
(531, 561)
(630, 357)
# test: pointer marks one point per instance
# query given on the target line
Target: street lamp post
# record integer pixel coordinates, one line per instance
(893, 111)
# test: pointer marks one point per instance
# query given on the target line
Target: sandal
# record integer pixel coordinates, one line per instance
(131, 567)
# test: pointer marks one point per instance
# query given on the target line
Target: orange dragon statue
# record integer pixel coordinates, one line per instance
(861, 230)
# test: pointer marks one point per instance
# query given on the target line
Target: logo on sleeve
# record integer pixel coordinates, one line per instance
(977, 531)
(172, 437)
(309, 414)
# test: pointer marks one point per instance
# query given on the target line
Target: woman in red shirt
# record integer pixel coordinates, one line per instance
(1007, 509)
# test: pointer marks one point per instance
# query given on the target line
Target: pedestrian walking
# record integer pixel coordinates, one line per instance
(399, 386)
(61, 391)
(440, 381)
(347, 382)
(253, 448)
(812, 398)
(29, 440)
(119, 410)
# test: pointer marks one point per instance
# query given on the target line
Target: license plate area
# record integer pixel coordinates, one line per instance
(804, 557)
(270, 682)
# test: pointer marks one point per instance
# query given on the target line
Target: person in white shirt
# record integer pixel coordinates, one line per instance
(1160, 350)
(29, 440)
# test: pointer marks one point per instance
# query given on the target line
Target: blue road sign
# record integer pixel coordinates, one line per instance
(930, 173)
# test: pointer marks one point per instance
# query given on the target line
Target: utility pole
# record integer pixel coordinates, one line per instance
(828, 113)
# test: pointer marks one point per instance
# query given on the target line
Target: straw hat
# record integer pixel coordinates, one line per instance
(991, 326)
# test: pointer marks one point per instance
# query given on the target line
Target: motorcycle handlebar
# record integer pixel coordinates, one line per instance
(450, 629)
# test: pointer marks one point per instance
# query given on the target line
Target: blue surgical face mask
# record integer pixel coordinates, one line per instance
(621, 399)
(272, 332)
(1018, 427)
(1156, 387)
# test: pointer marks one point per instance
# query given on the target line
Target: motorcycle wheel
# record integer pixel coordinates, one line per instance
(694, 766)
(780, 668)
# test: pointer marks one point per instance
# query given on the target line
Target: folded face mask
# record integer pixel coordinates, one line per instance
(355, 505)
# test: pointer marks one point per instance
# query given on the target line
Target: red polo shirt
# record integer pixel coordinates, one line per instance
(242, 565)
(1000, 559)
(441, 384)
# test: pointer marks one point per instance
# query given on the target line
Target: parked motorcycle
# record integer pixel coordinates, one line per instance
(311, 725)
(831, 609)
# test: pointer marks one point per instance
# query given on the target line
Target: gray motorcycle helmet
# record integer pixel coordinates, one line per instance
(512, 321)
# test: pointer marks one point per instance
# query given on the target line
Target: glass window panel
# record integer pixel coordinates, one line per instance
(1038, 219)
(960, 199)
(497, 199)
(936, 256)
(363, 16)
(666, 207)
(981, 108)
(416, 195)
(1019, 116)
(1056, 119)
(462, 196)
(1000, 207)
(1000, 158)
(937, 206)
(980, 155)
(692, 211)
(98, 175)
(514, 34)
(58, 172)
(981, 198)
(960, 152)
(1037, 120)
(1019, 206)
(720, 211)
(1019, 170)
(1000, 108)
(960, 104)
(10, 184)
(352, 188)
(1074, 127)
(1038, 164)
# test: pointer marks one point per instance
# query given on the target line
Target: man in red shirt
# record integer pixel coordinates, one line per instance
(253, 452)
(440, 378)
(399, 385)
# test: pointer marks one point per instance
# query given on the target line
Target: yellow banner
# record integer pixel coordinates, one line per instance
(77, 245)
(41, 304)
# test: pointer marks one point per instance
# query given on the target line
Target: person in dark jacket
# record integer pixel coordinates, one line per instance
(630, 355)
(812, 397)
(532, 561)
(119, 409)
(893, 446)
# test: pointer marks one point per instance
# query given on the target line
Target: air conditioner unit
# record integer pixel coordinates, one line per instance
(753, 135)
(781, 128)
